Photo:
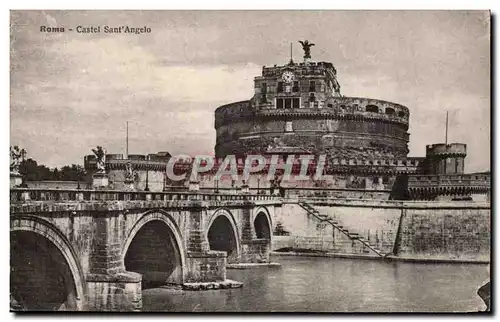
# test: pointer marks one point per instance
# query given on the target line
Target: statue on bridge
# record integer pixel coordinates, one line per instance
(16, 155)
(306, 46)
(100, 154)
(129, 172)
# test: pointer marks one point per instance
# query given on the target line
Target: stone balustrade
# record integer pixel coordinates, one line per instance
(120, 164)
(27, 194)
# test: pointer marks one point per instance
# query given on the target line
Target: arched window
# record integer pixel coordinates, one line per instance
(401, 114)
(389, 111)
(372, 108)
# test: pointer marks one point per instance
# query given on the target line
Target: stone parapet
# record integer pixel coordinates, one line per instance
(442, 149)
(395, 204)
(115, 200)
(457, 186)
(341, 108)
(121, 164)
(309, 68)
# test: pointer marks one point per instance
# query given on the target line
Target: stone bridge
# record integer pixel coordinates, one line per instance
(96, 250)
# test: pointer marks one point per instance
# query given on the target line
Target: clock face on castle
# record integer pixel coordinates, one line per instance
(288, 76)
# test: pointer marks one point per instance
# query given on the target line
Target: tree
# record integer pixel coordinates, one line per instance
(72, 173)
(55, 174)
(32, 171)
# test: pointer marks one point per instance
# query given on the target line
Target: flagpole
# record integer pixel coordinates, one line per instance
(126, 149)
(446, 135)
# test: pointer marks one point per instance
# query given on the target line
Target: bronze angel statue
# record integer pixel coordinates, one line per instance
(306, 46)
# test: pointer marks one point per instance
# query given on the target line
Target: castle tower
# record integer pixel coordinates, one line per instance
(294, 86)
(299, 105)
(446, 158)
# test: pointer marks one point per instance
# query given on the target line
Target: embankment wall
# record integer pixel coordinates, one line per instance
(420, 230)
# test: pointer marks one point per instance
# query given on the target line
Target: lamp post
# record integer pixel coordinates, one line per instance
(147, 175)
(165, 180)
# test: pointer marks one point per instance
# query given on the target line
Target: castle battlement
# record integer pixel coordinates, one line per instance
(306, 69)
(446, 149)
(377, 162)
(449, 180)
(455, 187)
(354, 109)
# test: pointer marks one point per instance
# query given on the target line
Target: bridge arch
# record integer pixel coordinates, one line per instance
(263, 223)
(223, 234)
(45, 273)
(154, 248)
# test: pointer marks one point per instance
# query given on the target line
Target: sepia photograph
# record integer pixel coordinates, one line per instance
(260, 161)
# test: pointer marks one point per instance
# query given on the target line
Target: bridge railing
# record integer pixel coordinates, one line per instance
(27, 194)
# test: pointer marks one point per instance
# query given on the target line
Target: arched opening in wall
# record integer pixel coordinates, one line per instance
(40, 277)
(261, 225)
(222, 237)
(389, 111)
(401, 114)
(154, 253)
(372, 108)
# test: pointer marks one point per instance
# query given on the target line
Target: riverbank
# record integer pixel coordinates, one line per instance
(416, 259)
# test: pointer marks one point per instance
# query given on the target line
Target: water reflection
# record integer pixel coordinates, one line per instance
(336, 285)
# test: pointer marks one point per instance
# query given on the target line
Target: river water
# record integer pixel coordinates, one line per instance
(312, 284)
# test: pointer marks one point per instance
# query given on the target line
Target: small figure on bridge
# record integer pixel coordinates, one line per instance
(129, 172)
(100, 154)
(16, 155)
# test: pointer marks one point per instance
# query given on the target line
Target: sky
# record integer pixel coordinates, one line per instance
(72, 91)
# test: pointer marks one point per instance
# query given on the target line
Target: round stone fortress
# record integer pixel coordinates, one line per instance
(300, 106)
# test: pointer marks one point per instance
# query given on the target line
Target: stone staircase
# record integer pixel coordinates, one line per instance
(351, 235)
